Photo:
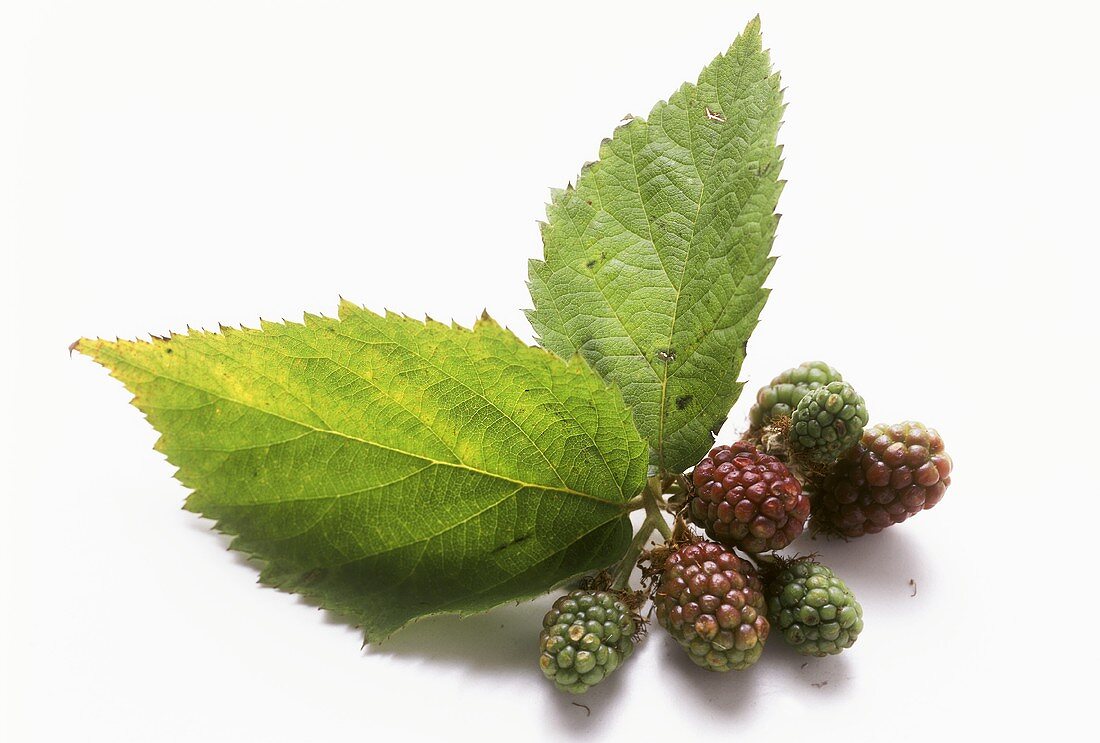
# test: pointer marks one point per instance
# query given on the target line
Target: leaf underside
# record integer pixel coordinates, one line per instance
(391, 469)
(654, 263)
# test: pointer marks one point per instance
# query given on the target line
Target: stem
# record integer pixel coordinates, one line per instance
(654, 504)
(635, 503)
(651, 500)
(626, 566)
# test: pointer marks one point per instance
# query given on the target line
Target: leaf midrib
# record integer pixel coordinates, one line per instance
(349, 437)
(472, 391)
(705, 179)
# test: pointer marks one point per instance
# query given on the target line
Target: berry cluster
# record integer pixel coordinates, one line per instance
(862, 480)
(808, 458)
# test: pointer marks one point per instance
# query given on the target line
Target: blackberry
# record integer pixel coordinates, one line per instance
(586, 635)
(828, 422)
(811, 608)
(711, 601)
(894, 472)
(745, 498)
(779, 399)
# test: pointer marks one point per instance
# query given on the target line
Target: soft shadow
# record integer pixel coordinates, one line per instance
(499, 641)
(825, 676)
(728, 694)
(254, 565)
(875, 566)
(733, 694)
(580, 715)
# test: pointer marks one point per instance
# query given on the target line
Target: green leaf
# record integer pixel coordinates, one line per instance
(654, 263)
(388, 468)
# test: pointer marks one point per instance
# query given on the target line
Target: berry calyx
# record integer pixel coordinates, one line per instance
(779, 398)
(827, 422)
(811, 608)
(894, 472)
(748, 499)
(711, 601)
(586, 635)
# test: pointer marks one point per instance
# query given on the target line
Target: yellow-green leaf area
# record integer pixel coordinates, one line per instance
(389, 468)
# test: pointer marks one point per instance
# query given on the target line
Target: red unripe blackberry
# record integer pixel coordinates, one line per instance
(748, 499)
(712, 602)
(894, 472)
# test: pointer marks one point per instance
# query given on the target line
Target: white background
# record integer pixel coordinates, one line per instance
(165, 164)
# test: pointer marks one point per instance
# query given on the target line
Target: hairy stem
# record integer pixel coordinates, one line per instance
(763, 560)
(654, 504)
(652, 501)
(626, 565)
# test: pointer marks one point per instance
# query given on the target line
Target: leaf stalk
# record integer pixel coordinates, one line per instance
(653, 502)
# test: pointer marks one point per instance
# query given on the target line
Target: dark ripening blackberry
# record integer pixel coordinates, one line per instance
(811, 608)
(828, 422)
(711, 601)
(894, 472)
(779, 399)
(585, 636)
(747, 499)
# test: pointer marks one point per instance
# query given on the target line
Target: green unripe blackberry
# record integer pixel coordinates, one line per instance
(828, 422)
(586, 635)
(812, 609)
(779, 399)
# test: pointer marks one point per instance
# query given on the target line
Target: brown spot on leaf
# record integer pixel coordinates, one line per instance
(517, 541)
(312, 576)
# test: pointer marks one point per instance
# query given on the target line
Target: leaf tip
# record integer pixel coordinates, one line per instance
(88, 347)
